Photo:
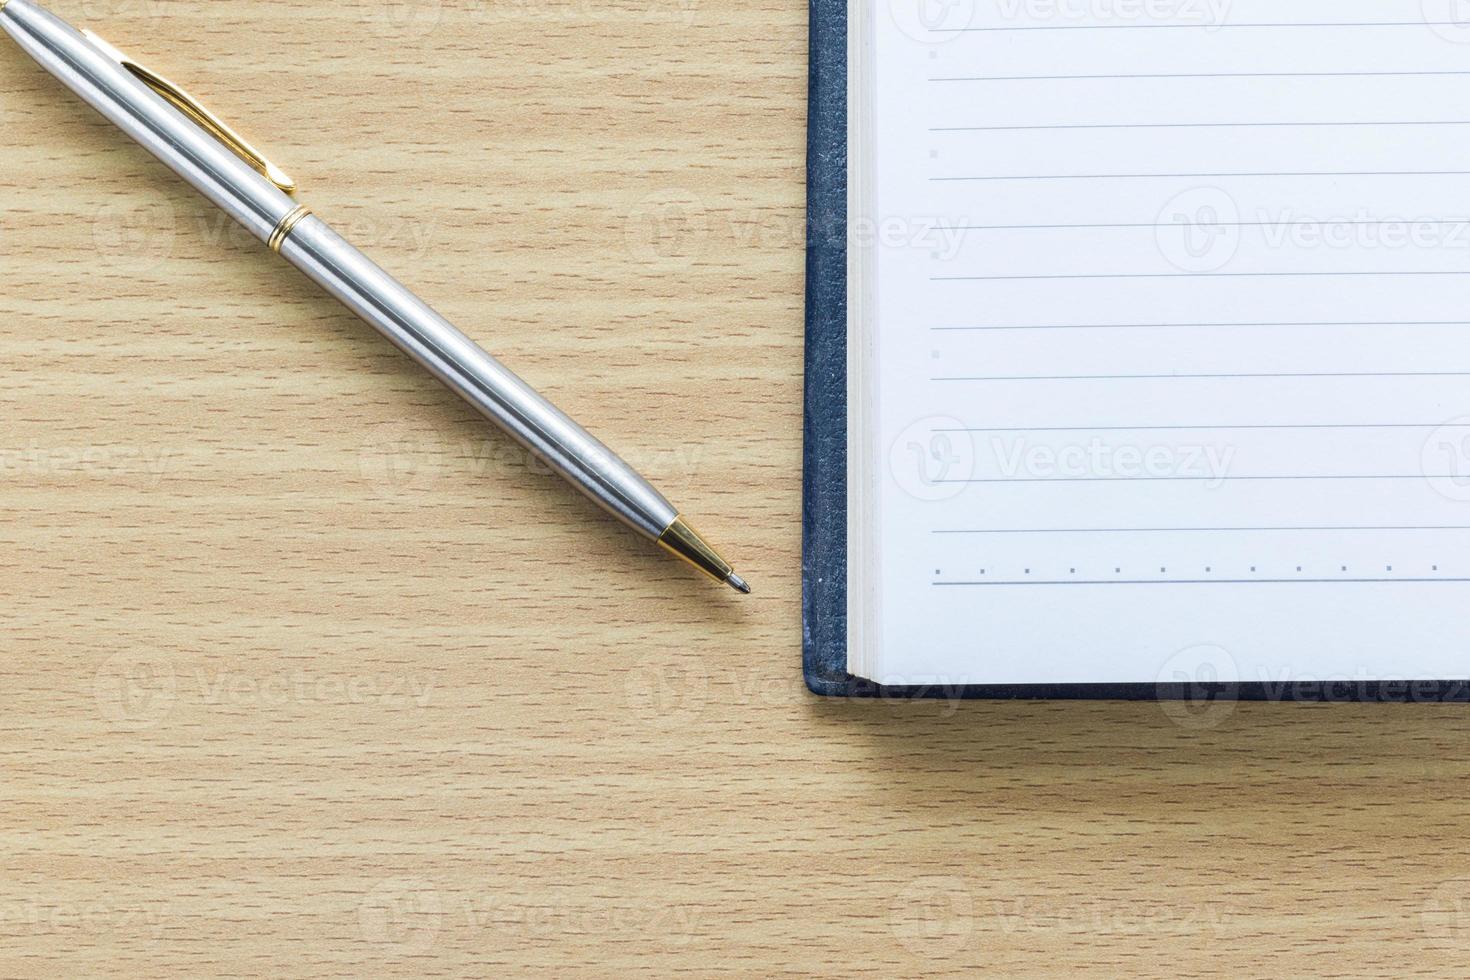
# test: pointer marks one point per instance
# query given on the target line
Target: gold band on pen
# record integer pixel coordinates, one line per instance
(290, 221)
(680, 539)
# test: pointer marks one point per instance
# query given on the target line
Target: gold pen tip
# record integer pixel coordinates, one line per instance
(681, 539)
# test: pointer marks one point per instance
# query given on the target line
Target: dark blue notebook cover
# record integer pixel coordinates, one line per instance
(824, 510)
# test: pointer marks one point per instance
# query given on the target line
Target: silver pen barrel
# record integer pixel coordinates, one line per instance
(203, 150)
(475, 376)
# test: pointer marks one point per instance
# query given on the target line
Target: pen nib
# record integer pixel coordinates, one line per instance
(682, 540)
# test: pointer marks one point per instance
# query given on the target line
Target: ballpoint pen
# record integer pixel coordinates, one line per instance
(202, 149)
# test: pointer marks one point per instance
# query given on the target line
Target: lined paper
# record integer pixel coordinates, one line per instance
(1169, 363)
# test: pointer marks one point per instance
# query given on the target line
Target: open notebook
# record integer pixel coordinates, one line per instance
(1139, 347)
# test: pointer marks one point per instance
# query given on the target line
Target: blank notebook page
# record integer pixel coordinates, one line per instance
(1169, 359)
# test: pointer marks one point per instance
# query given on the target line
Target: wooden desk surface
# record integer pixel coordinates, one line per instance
(307, 672)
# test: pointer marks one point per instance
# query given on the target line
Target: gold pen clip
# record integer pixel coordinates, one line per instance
(207, 120)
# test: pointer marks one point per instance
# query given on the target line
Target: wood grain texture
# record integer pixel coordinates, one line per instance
(309, 673)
